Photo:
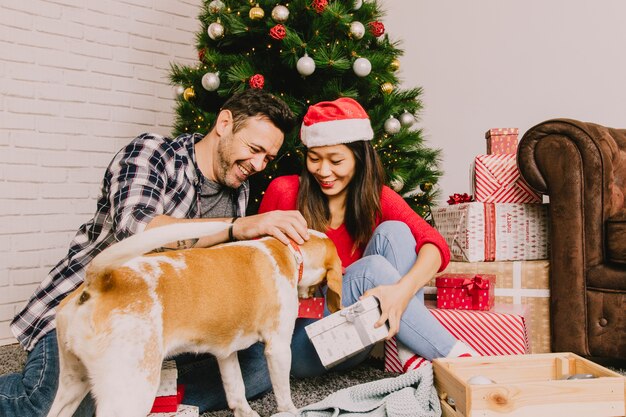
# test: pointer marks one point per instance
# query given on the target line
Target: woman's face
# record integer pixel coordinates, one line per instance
(332, 166)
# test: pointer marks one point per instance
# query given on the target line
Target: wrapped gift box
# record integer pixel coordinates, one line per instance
(490, 333)
(528, 385)
(465, 291)
(183, 411)
(494, 232)
(502, 141)
(311, 308)
(169, 403)
(347, 332)
(169, 375)
(525, 283)
(496, 179)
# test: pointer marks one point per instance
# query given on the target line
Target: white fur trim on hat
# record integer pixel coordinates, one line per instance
(335, 122)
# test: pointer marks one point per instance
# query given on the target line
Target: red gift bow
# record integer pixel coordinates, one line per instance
(457, 198)
(476, 283)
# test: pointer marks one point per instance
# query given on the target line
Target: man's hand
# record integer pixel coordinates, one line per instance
(281, 224)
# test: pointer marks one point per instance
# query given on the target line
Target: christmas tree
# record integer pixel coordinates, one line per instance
(306, 51)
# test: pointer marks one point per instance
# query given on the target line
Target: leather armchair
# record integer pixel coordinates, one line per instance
(582, 168)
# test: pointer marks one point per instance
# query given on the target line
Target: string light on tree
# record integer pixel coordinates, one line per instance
(392, 125)
(357, 30)
(305, 65)
(216, 30)
(280, 14)
(362, 67)
(211, 81)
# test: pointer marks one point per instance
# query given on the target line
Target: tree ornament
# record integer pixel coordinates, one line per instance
(397, 184)
(280, 14)
(320, 5)
(305, 65)
(395, 64)
(362, 67)
(407, 119)
(211, 81)
(201, 54)
(216, 30)
(377, 28)
(386, 88)
(216, 6)
(278, 32)
(257, 81)
(179, 90)
(256, 13)
(357, 30)
(189, 94)
(357, 4)
(392, 125)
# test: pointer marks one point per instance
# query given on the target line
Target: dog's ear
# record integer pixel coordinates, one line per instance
(334, 279)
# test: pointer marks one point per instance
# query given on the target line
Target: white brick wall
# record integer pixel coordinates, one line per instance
(78, 79)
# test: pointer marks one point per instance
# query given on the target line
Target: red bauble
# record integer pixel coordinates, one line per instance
(278, 32)
(257, 81)
(201, 53)
(320, 5)
(377, 28)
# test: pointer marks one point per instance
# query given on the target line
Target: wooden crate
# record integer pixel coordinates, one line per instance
(528, 386)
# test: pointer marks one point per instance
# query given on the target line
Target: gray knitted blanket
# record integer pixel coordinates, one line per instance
(408, 395)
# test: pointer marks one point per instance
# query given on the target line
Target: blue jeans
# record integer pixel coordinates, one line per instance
(31, 393)
(389, 255)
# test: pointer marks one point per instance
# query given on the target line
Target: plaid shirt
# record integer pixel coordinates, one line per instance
(152, 175)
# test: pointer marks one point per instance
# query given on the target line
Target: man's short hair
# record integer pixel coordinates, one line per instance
(255, 102)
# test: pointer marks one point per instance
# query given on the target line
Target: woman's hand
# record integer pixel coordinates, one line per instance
(393, 300)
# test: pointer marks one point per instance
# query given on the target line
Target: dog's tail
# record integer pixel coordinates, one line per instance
(141, 243)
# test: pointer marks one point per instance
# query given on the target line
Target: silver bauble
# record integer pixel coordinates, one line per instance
(397, 184)
(357, 30)
(407, 119)
(305, 65)
(210, 81)
(392, 125)
(179, 90)
(280, 14)
(216, 6)
(215, 31)
(362, 67)
(357, 4)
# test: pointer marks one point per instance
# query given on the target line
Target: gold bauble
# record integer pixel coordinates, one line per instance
(256, 13)
(189, 93)
(395, 64)
(426, 187)
(386, 88)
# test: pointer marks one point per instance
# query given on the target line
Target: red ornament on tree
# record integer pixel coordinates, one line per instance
(257, 81)
(319, 5)
(201, 53)
(278, 32)
(377, 28)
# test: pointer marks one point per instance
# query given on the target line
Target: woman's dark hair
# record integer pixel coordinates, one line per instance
(362, 200)
(254, 102)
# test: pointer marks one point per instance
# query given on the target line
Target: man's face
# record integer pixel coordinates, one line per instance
(247, 151)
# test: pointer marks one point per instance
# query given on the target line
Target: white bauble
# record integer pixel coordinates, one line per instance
(392, 125)
(280, 14)
(215, 31)
(362, 67)
(305, 65)
(357, 4)
(216, 6)
(357, 30)
(397, 184)
(179, 90)
(210, 81)
(407, 119)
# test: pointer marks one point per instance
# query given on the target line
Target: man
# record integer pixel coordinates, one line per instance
(151, 182)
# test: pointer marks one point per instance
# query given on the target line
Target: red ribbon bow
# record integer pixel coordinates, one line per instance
(475, 283)
(457, 198)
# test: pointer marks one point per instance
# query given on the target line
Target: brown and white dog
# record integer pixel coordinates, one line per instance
(134, 310)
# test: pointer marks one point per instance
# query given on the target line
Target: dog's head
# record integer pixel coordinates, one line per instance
(320, 262)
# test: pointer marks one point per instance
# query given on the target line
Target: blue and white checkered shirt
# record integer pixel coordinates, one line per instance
(152, 175)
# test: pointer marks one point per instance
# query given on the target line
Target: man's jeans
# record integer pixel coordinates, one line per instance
(31, 393)
(388, 256)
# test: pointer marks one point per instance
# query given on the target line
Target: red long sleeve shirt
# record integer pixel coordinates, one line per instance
(282, 194)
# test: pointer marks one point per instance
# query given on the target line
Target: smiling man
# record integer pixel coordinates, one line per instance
(151, 182)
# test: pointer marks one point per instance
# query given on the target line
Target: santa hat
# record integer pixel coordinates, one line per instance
(335, 122)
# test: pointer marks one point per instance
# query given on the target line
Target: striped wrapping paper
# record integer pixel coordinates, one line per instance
(496, 179)
(490, 333)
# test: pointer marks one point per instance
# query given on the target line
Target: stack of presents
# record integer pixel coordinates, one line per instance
(170, 394)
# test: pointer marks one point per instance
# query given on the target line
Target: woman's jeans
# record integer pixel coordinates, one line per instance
(389, 255)
(31, 393)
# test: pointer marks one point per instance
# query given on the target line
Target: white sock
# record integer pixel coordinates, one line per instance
(461, 348)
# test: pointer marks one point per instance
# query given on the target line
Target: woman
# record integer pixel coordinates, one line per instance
(387, 250)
